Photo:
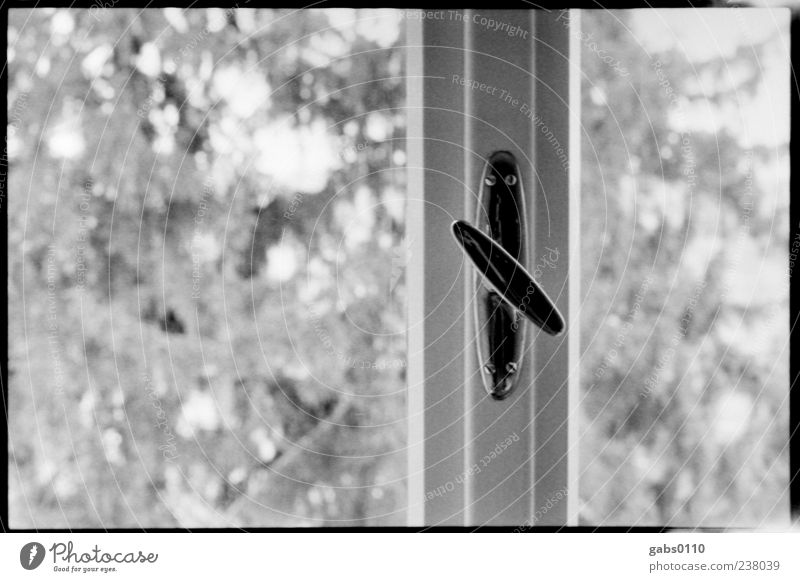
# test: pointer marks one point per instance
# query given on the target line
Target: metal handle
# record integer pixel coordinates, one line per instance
(505, 290)
(508, 279)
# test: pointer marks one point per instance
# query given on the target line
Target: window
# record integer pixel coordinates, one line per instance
(684, 287)
(235, 298)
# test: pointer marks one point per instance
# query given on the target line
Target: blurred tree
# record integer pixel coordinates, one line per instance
(684, 344)
(203, 216)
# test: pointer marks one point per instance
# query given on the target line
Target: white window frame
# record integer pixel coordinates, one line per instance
(453, 424)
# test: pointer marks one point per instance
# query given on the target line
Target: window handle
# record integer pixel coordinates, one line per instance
(503, 275)
(504, 290)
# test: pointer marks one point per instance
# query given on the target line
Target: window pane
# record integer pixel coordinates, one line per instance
(206, 276)
(684, 225)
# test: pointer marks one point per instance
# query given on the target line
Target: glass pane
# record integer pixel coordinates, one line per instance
(206, 275)
(684, 225)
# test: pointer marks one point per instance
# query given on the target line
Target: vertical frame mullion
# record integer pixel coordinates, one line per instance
(500, 67)
(435, 274)
(557, 227)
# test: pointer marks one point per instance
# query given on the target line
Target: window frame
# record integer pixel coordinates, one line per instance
(453, 424)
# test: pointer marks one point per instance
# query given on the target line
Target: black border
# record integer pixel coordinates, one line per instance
(794, 231)
(794, 304)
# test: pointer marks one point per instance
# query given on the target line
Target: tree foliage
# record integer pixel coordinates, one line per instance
(206, 203)
(684, 288)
